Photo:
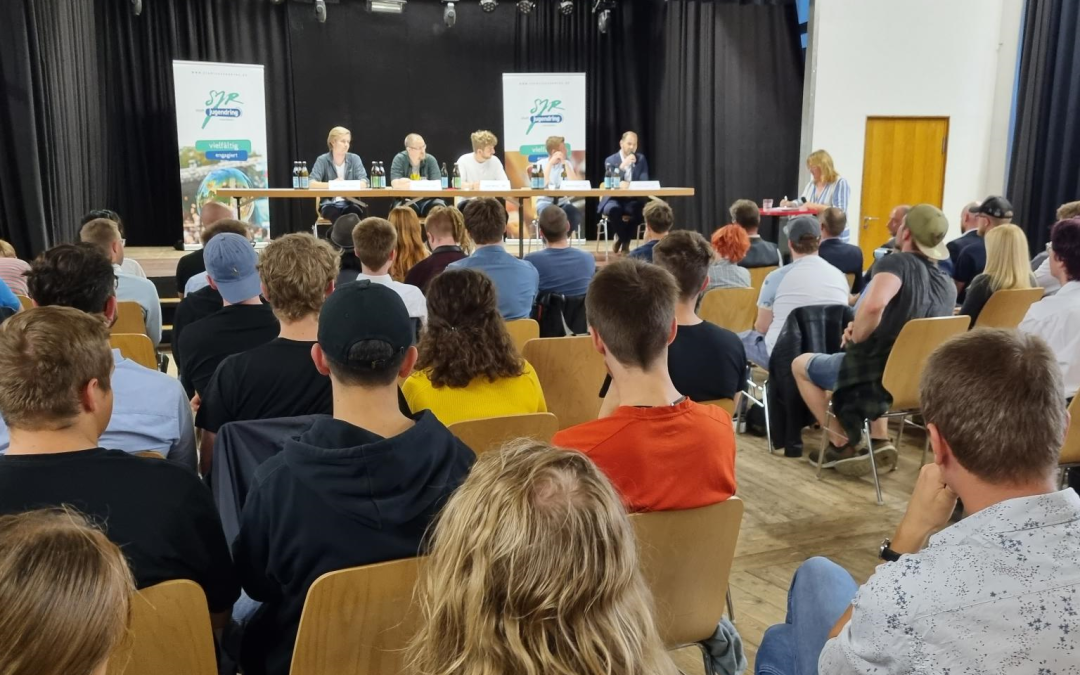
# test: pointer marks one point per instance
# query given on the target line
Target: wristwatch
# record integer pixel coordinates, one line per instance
(886, 553)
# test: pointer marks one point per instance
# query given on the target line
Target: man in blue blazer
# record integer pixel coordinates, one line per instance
(624, 214)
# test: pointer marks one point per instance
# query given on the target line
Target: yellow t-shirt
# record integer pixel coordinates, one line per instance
(481, 398)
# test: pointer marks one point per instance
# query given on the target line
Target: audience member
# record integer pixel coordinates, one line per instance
(746, 215)
(1007, 268)
(705, 362)
(129, 265)
(969, 232)
(533, 569)
(993, 593)
(632, 320)
(277, 379)
(905, 285)
(65, 595)
(106, 236)
(1056, 319)
(561, 267)
(375, 242)
(896, 219)
(731, 244)
(468, 366)
(150, 411)
(444, 240)
(410, 241)
(56, 398)
(808, 280)
(243, 322)
(192, 263)
(340, 237)
(847, 258)
(1041, 262)
(12, 269)
(356, 489)
(658, 222)
(9, 300)
(516, 281)
(993, 211)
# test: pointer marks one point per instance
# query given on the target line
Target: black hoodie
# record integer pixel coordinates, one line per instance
(336, 497)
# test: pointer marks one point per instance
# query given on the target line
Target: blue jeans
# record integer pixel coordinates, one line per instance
(820, 594)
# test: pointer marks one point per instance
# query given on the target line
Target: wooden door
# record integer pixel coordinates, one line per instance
(903, 163)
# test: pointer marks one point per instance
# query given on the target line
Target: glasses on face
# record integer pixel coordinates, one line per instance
(419, 149)
(123, 242)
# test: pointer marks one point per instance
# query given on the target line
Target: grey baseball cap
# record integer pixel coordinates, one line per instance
(803, 226)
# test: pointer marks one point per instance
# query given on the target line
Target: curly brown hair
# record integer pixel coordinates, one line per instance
(465, 335)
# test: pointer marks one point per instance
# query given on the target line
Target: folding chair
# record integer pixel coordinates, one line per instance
(26, 302)
(1006, 309)
(170, 633)
(732, 308)
(758, 274)
(727, 404)
(521, 331)
(602, 229)
(917, 340)
(136, 347)
(571, 373)
(1070, 451)
(489, 433)
(129, 318)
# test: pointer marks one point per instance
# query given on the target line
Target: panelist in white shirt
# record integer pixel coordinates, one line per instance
(481, 163)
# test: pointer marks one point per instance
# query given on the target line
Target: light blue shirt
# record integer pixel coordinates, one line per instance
(836, 194)
(144, 292)
(150, 412)
(554, 182)
(7, 298)
(563, 270)
(516, 281)
(196, 283)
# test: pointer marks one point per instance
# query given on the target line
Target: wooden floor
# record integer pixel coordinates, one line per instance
(790, 516)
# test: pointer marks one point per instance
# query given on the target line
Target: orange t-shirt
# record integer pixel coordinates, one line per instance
(661, 459)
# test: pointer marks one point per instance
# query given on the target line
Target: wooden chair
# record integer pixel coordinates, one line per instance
(149, 454)
(727, 404)
(1070, 451)
(571, 373)
(685, 557)
(917, 340)
(522, 330)
(1006, 309)
(26, 302)
(490, 433)
(170, 633)
(136, 347)
(129, 318)
(850, 280)
(758, 274)
(731, 308)
(358, 621)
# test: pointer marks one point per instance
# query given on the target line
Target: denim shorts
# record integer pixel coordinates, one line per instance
(824, 370)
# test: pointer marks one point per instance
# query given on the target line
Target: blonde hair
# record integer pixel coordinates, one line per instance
(336, 133)
(457, 224)
(48, 355)
(66, 592)
(482, 139)
(100, 232)
(1065, 212)
(410, 242)
(553, 143)
(533, 569)
(297, 270)
(823, 161)
(7, 250)
(1007, 258)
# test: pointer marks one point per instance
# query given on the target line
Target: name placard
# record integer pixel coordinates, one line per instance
(494, 185)
(345, 185)
(425, 185)
(575, 185)
(644, 185)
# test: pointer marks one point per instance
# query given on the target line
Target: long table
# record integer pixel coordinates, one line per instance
(520, 194)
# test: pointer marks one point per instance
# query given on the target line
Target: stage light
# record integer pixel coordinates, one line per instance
(386, 6)
(489, 5)
(566, 7)
(526, 6)
(136, 6)
(602, 10)
(320, 11)
(449, 14)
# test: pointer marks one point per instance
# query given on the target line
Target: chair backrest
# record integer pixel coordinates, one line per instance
(571, 373)
(489, 433)
(758, 274)
(917, 340)
(26, 302)
(137, 347)
(850, 279)
(727, 404)
(149, 454)
(358, 621)
(129, 318)
(1070, 451)
(170, 633)
(731, 308)
(686, 559)
(521, 331)
(1006, 309)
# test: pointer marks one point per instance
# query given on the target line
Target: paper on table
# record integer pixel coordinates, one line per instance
(425, 185)
(344, 185)
(575, 185)
(494, 185)
(644, 185)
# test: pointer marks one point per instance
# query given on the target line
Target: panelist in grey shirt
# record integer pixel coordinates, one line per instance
(997, 592)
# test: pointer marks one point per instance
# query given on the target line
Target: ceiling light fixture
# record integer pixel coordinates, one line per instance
(566, 7)
(526, 6)
(489, 5)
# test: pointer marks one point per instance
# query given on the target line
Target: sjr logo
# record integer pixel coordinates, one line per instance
(216, 105)
(544, 112)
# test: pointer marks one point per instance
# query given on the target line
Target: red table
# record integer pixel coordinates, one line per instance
(774, 232)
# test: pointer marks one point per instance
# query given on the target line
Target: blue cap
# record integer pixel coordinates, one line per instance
(230, 262)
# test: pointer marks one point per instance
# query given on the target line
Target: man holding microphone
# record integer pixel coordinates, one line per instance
(625, 213)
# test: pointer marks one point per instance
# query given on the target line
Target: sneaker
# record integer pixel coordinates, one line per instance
(859, 464)
(833, 455)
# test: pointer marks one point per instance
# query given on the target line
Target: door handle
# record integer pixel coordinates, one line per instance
(866, 221)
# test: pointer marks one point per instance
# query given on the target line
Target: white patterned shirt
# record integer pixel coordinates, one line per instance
(998, 592)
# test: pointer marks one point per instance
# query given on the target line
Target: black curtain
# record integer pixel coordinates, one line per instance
(729, 105)
(1045, 168)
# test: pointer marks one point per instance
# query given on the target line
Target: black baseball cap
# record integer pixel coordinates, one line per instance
(995, 207)
(362, 310)
(341, 232)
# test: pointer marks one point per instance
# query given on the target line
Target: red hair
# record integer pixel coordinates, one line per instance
(731, 242)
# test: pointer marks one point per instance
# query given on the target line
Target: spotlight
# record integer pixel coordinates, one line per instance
(320, 11)
(489, 5)
(526, 6)
(449, 14)
(566, 7)
(136, 6)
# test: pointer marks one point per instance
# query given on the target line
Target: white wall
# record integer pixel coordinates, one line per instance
(951, 58)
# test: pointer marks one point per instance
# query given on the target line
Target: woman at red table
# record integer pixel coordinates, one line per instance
(826, 188)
